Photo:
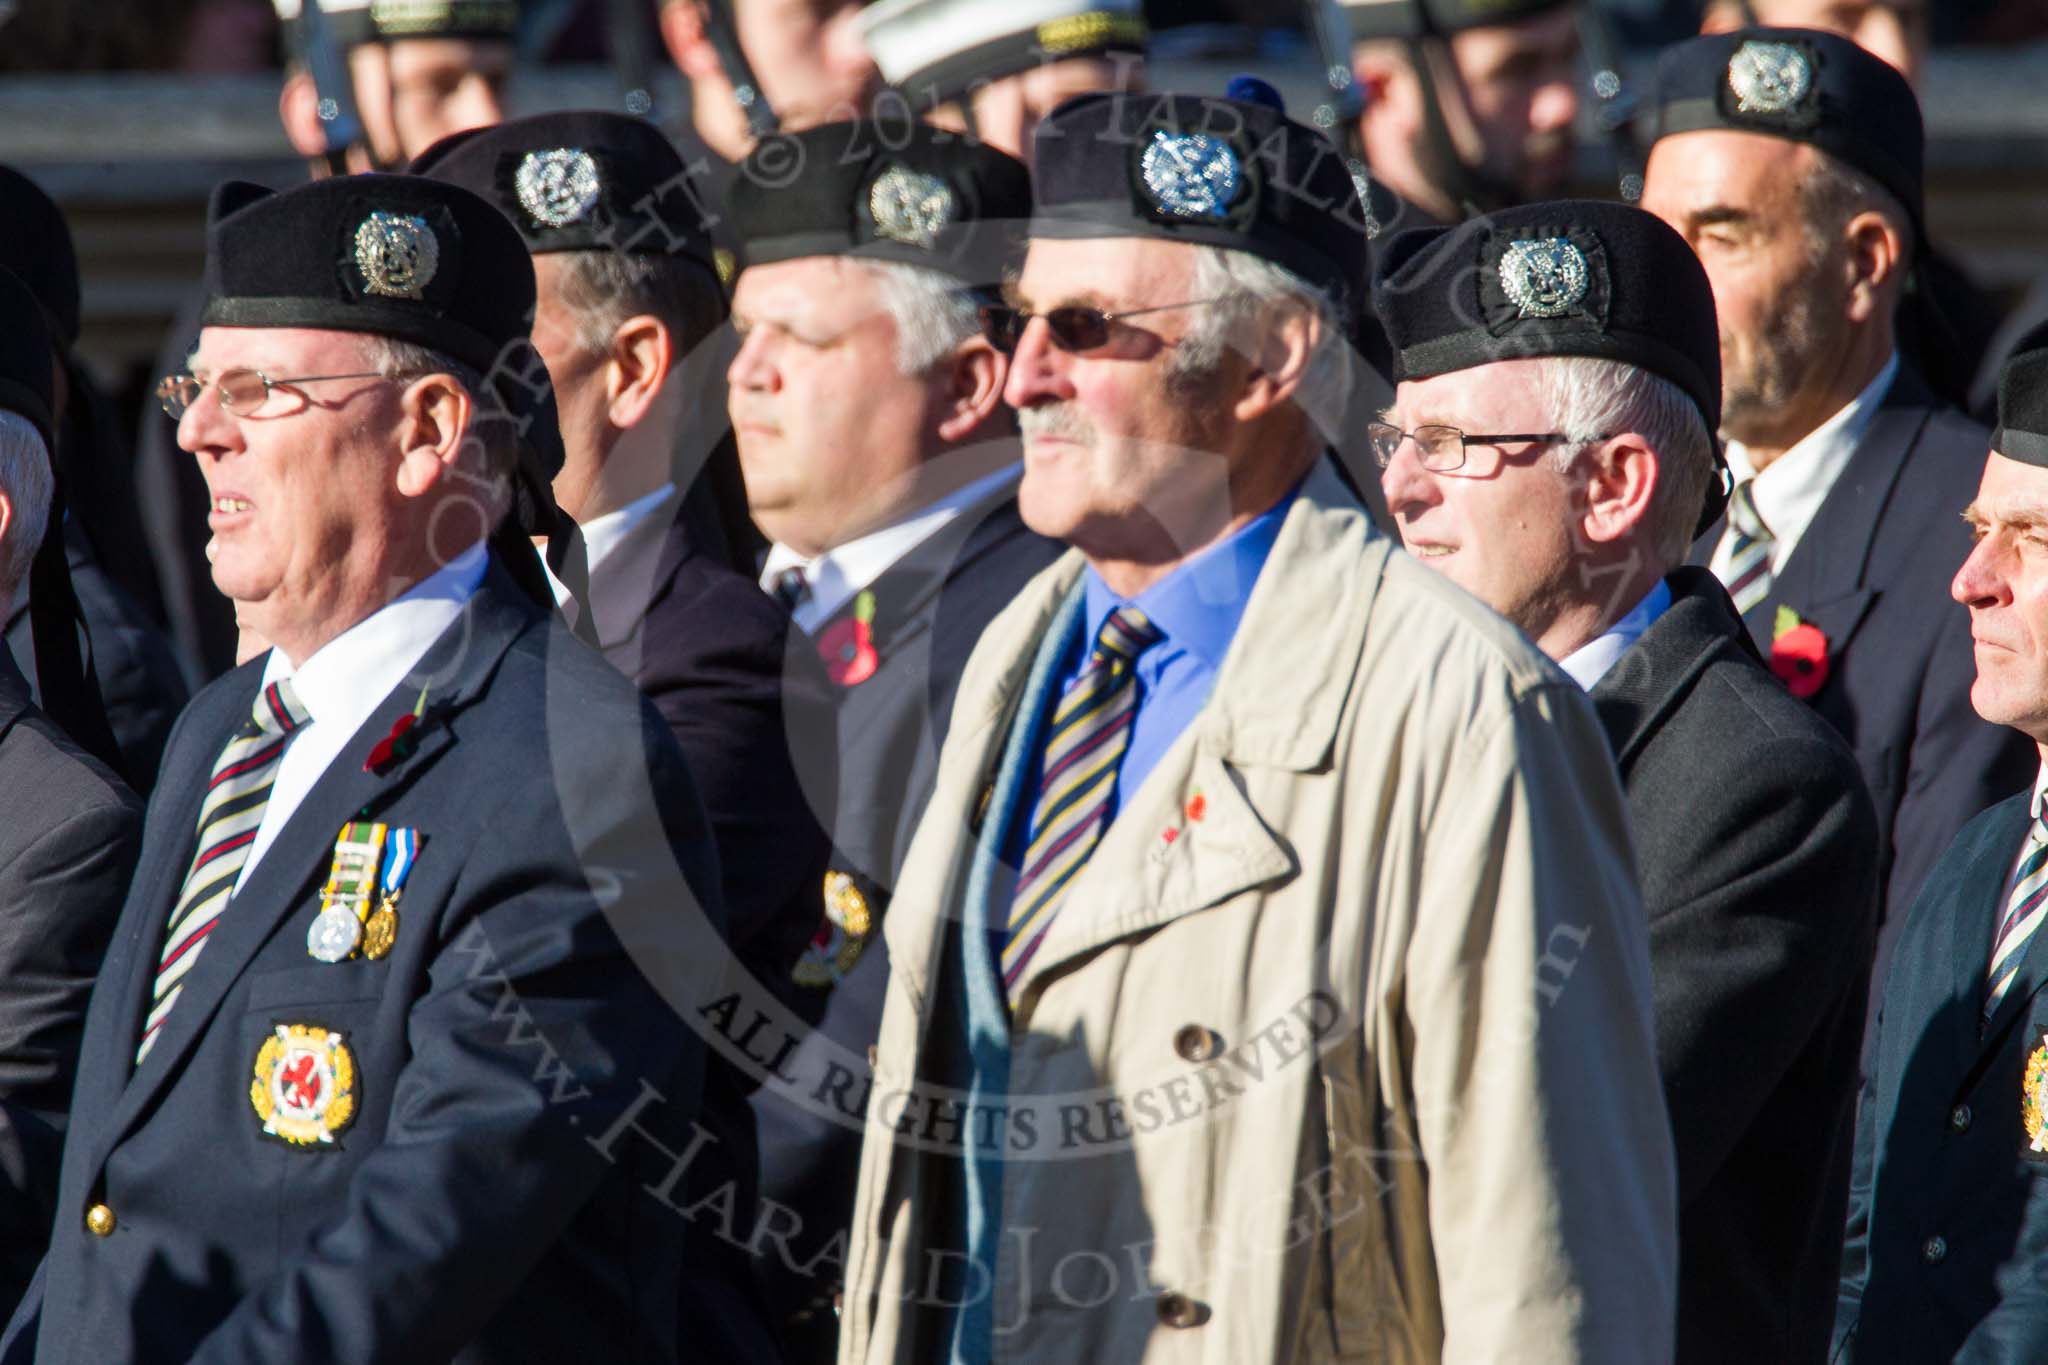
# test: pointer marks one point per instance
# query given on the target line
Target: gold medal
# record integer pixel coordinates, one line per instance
(380, 931)
(2034, 1098)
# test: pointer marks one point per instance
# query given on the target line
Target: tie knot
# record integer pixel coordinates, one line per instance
(1742, 513)
(792, 586)
(278, 710)
(1125, 635)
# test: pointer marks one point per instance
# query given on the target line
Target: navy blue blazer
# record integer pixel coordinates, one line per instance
(931, 607)
(1946, 1252)
(1872, 572)
(518, 1077)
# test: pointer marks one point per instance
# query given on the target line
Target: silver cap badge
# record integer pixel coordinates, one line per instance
(1191, 175)
(1544, 277)
(1768, 78)
(911, 208)
(558, 187)
(397, 253)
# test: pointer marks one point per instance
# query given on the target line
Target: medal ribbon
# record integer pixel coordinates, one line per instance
(400, 849)
(356, 855)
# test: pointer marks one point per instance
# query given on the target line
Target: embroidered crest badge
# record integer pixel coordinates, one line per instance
(1545, 277)
(911, 208)
(2034, 1098)
(397, 254)
(842, 938)
(1769, 78)
(1191, 175)
(556, 188)
(305, 1086)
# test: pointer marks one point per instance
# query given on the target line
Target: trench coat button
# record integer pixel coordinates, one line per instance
(1178, 1310)
(1959, 1118)
(872, 1055)
(1934, 1250)
(99, 1221)
(1197, 1044)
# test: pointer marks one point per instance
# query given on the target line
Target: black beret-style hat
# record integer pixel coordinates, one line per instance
(937, 50)
(908, 193)
(2022, 431)
(28, 358)
(1574, 277)
(584, 181)
(1414, 18)
(353, 22)
(397, 256)
(37, 247)
(1805, 86)
(1204, 170)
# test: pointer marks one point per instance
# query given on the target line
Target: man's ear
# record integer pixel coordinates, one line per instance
(974, 376)
(1876, 258)
(298, 109)
(642, 354)
(689, 45)
(435, 415)
(1621, 483)
(1286, 340)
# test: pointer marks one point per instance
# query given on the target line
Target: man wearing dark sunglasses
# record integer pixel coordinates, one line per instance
(1229, 912)
(1557, 456)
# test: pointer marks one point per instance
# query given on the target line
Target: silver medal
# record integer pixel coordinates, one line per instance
(397, 254)
(1191, 175)
(1545, 277)
(558, 187)
(335, 934)
(1768, 78)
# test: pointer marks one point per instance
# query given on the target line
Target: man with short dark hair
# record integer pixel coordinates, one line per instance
(1559, 380)
(372, 1071)
(1790, 160)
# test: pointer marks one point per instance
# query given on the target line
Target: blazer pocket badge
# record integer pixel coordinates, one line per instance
(2034, 1100)
(305, 1086)
(371, 861)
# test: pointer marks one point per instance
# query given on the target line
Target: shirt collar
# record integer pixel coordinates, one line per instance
(835, 576)
(1198, 606)
(2040, 791)
(1589, 663)
(349, 676)
(604, 533)
(1791, 489)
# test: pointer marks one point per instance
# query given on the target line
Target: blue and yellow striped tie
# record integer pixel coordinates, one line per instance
(2024, 909)
(1749, 549)
(1091, 729)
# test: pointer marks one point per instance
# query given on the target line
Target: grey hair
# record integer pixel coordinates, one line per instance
(933, 313)
(26, 480)
(601, 289)
(1832, 193)
(1589, 399)
(1247, 289)
(492, 428)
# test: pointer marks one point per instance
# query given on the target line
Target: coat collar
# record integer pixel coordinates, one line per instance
(1659, 670)
(466, 655)
(1980, 902)
(14, 692)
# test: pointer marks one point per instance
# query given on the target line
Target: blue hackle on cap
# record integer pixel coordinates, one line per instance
(1252, 90)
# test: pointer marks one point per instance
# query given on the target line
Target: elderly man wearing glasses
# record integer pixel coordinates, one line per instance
(1559, 377)
(1269, 980)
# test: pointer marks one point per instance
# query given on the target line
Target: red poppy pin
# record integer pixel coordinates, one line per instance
(399, 743)
(848, 648)
(1799, 653)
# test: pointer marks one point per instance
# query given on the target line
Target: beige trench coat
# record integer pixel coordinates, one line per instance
(1340, 1046)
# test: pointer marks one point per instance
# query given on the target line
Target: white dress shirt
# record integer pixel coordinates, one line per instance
(1791, 489)
(604, 533)
(348, 678)
(845, 570)
(1589, 663)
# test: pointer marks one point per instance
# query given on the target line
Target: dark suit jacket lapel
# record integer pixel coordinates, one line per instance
(905, 591)
(1974, 932)
(1656, 673)
(14, 692)
(471, 648)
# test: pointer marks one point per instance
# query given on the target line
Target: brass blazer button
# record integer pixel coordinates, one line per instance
(99, 1220)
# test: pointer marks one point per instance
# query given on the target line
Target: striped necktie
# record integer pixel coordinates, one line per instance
(1749, 549)
(228, 819)
(2023, 911)
(1091, 729)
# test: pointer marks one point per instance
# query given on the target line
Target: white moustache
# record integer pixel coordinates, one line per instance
(1063, 420)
